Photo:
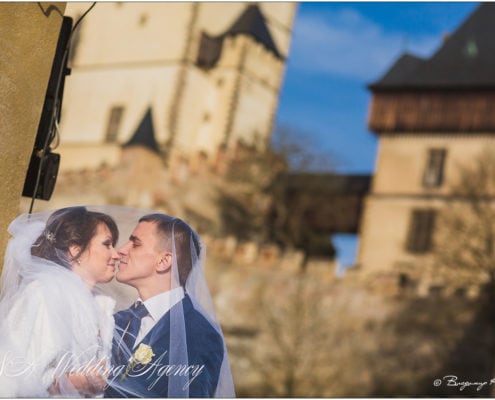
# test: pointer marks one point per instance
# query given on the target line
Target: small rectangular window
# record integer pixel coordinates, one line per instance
(113, 125)
(433, 176)
(421, 229)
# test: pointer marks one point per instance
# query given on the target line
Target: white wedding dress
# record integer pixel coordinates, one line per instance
(50, 323)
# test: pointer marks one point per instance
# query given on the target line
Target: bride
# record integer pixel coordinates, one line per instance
(56, 330)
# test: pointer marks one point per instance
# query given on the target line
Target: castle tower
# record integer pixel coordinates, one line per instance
(430, 115)
(211, 73)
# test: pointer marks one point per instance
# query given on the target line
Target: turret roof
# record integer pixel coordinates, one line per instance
(252, 22)
(145, 134)
(466, 59)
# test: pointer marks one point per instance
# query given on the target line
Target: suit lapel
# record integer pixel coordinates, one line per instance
(158, 337)
(160, 333)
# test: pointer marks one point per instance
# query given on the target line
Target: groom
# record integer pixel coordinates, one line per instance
(151, 326)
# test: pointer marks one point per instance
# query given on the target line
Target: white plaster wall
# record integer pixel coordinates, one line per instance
(259, 87)
(383, 235)
(253, 113)
(115, 32)
(199, 99)
(402, 159)
(264, 66)
(216, 17)
(100, 154)
(231, 55)
(225, 93)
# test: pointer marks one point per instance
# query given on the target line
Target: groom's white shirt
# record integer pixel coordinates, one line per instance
(157, 307)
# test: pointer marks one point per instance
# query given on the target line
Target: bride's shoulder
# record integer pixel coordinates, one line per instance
(37, 287)
(59, 289)
(55, 276)
(34, 297)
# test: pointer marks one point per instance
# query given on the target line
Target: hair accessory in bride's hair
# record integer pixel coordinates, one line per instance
(50, 236)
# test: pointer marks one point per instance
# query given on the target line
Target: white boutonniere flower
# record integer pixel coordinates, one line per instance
(142, 355)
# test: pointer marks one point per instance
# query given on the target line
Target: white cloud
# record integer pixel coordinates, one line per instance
(348, 44)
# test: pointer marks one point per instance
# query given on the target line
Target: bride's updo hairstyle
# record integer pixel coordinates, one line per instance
(71, 226)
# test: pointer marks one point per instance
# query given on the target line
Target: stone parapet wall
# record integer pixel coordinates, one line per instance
(269, 256)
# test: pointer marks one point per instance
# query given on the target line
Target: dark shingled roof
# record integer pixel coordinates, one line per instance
(403, 67)
(251, 22)
(465, 60)
(145, 134)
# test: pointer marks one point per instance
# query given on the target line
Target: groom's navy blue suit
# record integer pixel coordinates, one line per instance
(204, 347)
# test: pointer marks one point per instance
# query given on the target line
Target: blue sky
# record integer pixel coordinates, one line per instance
(337, 49)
